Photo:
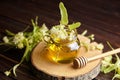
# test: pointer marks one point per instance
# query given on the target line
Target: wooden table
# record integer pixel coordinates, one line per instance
(100, 17)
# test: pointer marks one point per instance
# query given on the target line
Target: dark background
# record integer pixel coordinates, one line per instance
(99, 17)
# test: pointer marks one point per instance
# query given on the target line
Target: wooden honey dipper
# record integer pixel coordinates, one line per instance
(82, 61)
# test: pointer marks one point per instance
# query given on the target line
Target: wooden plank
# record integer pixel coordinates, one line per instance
(24, 72)
(99, 17)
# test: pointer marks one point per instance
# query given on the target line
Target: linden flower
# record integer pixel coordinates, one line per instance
(5, 39)
(30, 41)
(44, 30)
(7, 73)
(18, 38)
(20, 45)
(72, 35)
(61, 32)
(58, 32)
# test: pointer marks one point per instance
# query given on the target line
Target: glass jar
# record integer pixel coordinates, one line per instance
(63, 52)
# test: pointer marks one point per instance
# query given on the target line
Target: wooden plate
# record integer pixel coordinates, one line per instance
(40, 61)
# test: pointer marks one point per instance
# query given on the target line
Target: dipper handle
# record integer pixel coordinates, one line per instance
(82, 61)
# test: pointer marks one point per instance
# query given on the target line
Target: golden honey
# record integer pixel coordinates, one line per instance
(62, 53)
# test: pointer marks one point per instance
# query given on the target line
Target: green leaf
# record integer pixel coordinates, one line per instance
(110, 65)
(74, 25)
(64, 15)
(110, 68)
(108, 59)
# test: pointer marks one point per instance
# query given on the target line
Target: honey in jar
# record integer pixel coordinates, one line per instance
(63, 52)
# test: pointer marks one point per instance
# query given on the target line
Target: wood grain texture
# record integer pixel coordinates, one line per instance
(88, 72)
(100, 17)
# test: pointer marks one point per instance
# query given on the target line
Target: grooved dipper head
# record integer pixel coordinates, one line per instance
(80, 62)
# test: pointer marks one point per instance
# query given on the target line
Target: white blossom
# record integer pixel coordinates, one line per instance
(20, 45)
(7, 73)
(18, 38)
(44, 30)
(5, 39)
(59, 32)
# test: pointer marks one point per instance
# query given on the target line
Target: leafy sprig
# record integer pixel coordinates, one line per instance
(64, 18)
(109, 65)
(28, 40)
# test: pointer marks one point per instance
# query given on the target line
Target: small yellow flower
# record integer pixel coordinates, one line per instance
(5, 39)
(20, 45)
(100, 46)
(18, 38)
(7, 73)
